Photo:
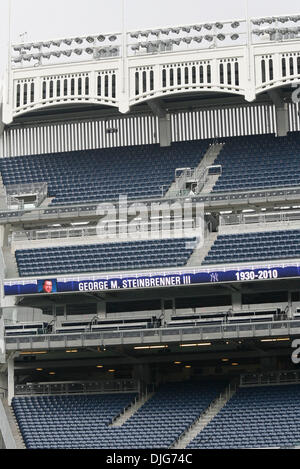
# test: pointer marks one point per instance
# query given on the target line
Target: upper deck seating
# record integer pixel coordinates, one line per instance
(259, 162)
(98, 175)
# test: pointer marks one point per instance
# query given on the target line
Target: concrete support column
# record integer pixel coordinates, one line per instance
(101, 308)
(236, 299)
(142, 373)
(10, 379)
(282, 120)
(165, 131)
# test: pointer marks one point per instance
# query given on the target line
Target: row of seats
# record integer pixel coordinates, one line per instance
(255, 417)
(260, 246)
(104, 257)
(95, 175)
(257, 162)
(251, 162)
(258, 417)
(83, 421)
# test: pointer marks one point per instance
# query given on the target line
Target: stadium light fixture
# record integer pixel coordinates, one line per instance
(283, 19)
(235, 24)
(203, 344)
(197, 28)
(187, 366)
(155, 33)
(56, 54)
(39, 369)
(209, 38)
(175, 30)
(257, 22)
(176, 42)
(67, 53)
(112, 38)
(234, 37)
(165, 31)
(90, 39)
(285, 339)
(111, 371)
(56, 43)
(134, 35)
(89, 50)
(18, 48)
(27, 46)
(101, 38)
(177, 363)
(135, 47)
(221, 37)
(198, 39)
(208, 27)
(219, 25)
(68, 42)
(295, 18)
(145, 33)
(186, 29)
(78, 51)
(78, 40)
(99, 366)
(270, 20)
(187, 40)
(150, 347)
(46, 55)
(17, 60)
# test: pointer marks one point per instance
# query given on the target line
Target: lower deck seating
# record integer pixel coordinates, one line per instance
(82, 421)
(260, 246)
(258, 417)
(104, 257)
(67, 421)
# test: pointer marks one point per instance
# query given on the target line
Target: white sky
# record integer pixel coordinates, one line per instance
(46, 19)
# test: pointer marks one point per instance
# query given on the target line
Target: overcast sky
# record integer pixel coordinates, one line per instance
(46, 19)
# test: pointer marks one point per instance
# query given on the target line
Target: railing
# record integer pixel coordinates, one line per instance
(39, 189)
(270, 378)
(214, 198)
(259, 218)
(162, 335)
(222, 398)
(77, 387)
(112, 230)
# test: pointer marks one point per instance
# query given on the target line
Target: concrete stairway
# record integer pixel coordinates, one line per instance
(200, 253)
(11, 268)
(3, 198)
(135, 406)
(205, 418)
(212, 179)
(207, 160)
